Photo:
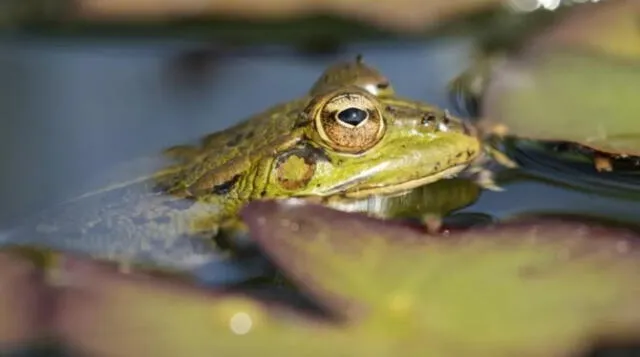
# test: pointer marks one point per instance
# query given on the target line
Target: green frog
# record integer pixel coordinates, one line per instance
(342, 141)
(348, 139)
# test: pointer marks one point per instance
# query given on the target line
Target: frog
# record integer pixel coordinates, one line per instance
(344, 141)
(349, 138)
(355, 72)
(359, 73)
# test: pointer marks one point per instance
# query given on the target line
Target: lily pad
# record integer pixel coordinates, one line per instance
(22, 302)
(606, 27)
(104, 313)
(576, 81)
(568, 96)
(530, 288)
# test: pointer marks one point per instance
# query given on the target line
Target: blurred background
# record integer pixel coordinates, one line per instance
(88, 88)
(89, 84)
(92, 90)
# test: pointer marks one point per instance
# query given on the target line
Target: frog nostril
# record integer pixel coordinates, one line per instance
(446, 118)
(428, 119)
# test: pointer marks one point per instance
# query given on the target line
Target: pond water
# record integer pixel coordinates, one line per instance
(71, 110)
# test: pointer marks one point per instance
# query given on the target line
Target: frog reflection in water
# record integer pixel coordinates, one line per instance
(351, 137)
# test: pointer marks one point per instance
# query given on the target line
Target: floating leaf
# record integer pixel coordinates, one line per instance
(568, 96)
(576, 81)
(104, 313)
(22, 301)
(541, 288)
(607, 27)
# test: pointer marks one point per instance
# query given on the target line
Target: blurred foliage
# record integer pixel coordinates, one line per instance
(573, 81)
(534, 286)
(570, 96)
(492, 25)
(538, 286)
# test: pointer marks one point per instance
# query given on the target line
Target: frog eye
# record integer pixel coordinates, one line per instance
(352, 116)
(350, 121)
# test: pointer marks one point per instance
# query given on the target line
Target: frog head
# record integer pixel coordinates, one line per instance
(353, 143)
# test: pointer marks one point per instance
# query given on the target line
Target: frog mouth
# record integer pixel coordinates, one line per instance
(399, 188)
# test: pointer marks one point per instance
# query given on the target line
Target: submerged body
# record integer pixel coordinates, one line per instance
(349, 138)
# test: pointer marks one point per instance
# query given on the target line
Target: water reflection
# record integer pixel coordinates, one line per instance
(548, 181)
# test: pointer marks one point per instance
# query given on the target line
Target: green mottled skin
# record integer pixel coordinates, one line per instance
(211, 181)
(408, 151)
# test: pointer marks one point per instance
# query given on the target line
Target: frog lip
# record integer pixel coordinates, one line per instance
(405, 185)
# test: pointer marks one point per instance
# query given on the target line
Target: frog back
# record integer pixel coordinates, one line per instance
(223, 157)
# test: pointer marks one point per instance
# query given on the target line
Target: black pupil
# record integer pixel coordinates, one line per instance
(352, 116)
